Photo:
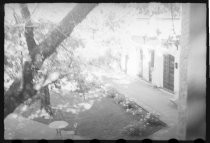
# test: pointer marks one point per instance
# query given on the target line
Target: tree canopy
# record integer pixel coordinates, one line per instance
(86, 34)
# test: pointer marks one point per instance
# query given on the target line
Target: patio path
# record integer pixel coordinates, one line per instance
(150, 98)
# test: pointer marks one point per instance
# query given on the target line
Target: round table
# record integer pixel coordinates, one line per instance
(58, 125)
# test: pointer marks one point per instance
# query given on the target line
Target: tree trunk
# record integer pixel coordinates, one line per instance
(45, 97)
(38, 53)
(61, 32)
(45, 100)
(15, 95)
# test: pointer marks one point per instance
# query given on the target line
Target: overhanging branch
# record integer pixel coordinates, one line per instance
(29, 33)
(45, 49)
(56, 37)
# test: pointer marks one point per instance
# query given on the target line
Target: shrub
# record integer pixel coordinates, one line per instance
(136, 128)
(94, 84)
(139, 115)
(138, 112)
(153, 119)
(132, 105)
(111, 93)
(120, 99)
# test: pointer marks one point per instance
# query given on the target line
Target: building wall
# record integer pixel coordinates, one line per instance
(134, 66)
(176, 75)
(148, 28)
(157, 76)
(146, 58)
(133, 62)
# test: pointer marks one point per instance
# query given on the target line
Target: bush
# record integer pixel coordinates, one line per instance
(154, 120)
(139, 114)
(132, 105)
(112, 93)
(120, 99)
(135, 129)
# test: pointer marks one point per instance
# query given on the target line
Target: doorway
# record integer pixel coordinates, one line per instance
(141, 63)
(168, 72)
(151, 64)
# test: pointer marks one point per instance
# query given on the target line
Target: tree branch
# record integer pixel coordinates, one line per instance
(14, 97)
(29, 33)
(66, 26)
(17, 95)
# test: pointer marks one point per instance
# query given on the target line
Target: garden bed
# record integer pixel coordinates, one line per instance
(104, 117)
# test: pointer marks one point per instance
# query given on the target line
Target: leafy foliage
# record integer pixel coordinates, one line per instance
(42, 29)
(67, 61)
(158, 8)
(143, 118)
(120, 99)
(15, 52)
(112, 93)
(135, 129)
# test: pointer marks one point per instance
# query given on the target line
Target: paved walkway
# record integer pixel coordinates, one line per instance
(152, 99)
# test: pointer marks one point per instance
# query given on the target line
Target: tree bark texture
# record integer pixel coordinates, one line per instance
(61, 32)
(38, 53)
(17, 95)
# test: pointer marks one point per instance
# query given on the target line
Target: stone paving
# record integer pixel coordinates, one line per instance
(151, 98)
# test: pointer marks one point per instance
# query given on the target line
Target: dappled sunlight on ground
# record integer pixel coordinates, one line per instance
(72, 110)
(77, 108)
(61, 106)
(21, 109)
(14, 116)
(95, 116)
(118, 77)
(19, 127)
(86, 106)
(20, 120)
(152, 99)
(24, 108)
(122, 81)
(39, 113)
(69, 86)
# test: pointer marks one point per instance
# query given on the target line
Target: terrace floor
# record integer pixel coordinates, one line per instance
(152, 99)
(148, 97)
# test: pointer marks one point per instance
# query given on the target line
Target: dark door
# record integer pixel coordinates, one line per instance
(151, 64)
(141, 63)
(168, 72)
(150, 72)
